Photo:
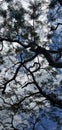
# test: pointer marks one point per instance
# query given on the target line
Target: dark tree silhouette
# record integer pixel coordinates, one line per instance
(26, 58)
(21, 26)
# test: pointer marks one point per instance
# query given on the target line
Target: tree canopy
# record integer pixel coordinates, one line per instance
(25, 56)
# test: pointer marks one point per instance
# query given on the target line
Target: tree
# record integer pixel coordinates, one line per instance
(19, 31)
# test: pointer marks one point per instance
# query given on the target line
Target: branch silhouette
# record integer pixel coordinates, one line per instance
(51, 97)
(40, 50)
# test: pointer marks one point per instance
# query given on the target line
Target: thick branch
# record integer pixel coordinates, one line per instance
(47, 54)
(51, 97)
(40, 50)
(11, 40)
